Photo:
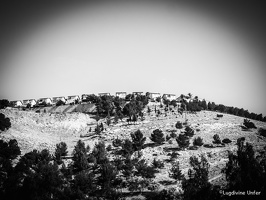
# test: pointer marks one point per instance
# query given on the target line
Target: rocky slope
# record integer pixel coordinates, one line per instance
(43, 130)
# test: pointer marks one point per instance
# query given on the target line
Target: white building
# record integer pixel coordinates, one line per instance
(16, 103)
(44, 102)
(30, 102)
(169, 96)
(73, 99)
(56, 99)
(121, 94)
(154, 96)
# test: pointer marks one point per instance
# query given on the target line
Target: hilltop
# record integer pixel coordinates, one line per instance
(43, 130)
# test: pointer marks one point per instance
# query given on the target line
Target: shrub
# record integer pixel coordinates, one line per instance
(262, 132)
(247, 123)
(157, 164)
(189, 131)
(226, 141)
(178, 125)
(183, 141)
(175, 172)
(109, 148)
(167, 137)
(138, 140)
(173, 135)
(157, 136)
(144, 170)
(217, 139)
(197, 141)
(4, 122)
(117, 142)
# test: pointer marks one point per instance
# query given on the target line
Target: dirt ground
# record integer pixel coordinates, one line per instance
(44, 130)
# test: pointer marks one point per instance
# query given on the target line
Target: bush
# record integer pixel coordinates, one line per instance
(167, 137)
(183, 141)
(157, 136)
(109, 148)
(262, 132)
(173, 135)
(175, 172)
(4, 122)
(157, 164)
(197, 141)
(189, 131)
(138, 140)
(144, 170)
(178, 125)
(226, 141)
(117, 142)
(217, 139)
(247, 123)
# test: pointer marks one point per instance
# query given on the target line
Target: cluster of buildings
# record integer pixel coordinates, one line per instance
(76, 99)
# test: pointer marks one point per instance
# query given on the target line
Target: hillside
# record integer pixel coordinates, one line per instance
(43, 130)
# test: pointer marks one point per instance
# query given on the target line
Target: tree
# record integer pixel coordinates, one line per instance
(248, 124)
(244, 172)
(138, 140)
(197, 141)
(4, 122)
(127, 148)
(178, 125)
(197, 186)
(4, 103)
(80, 156)
(157, 136)
(216, 139)
(144, 170)
(189, 131)
(175, 172)
(183, 141)
(61, 150)
(99, 153)
(107, 177)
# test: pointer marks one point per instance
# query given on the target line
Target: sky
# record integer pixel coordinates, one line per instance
(212, 49)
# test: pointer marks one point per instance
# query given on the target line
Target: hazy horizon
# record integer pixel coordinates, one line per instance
(214, 50)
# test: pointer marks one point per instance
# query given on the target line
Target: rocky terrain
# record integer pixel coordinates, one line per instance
(44, 130)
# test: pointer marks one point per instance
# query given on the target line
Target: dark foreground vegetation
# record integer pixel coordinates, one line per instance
(90, 174)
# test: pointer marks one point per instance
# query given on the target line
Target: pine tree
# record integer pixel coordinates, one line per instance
(157, 136)
(138, 140)
(80, 156)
